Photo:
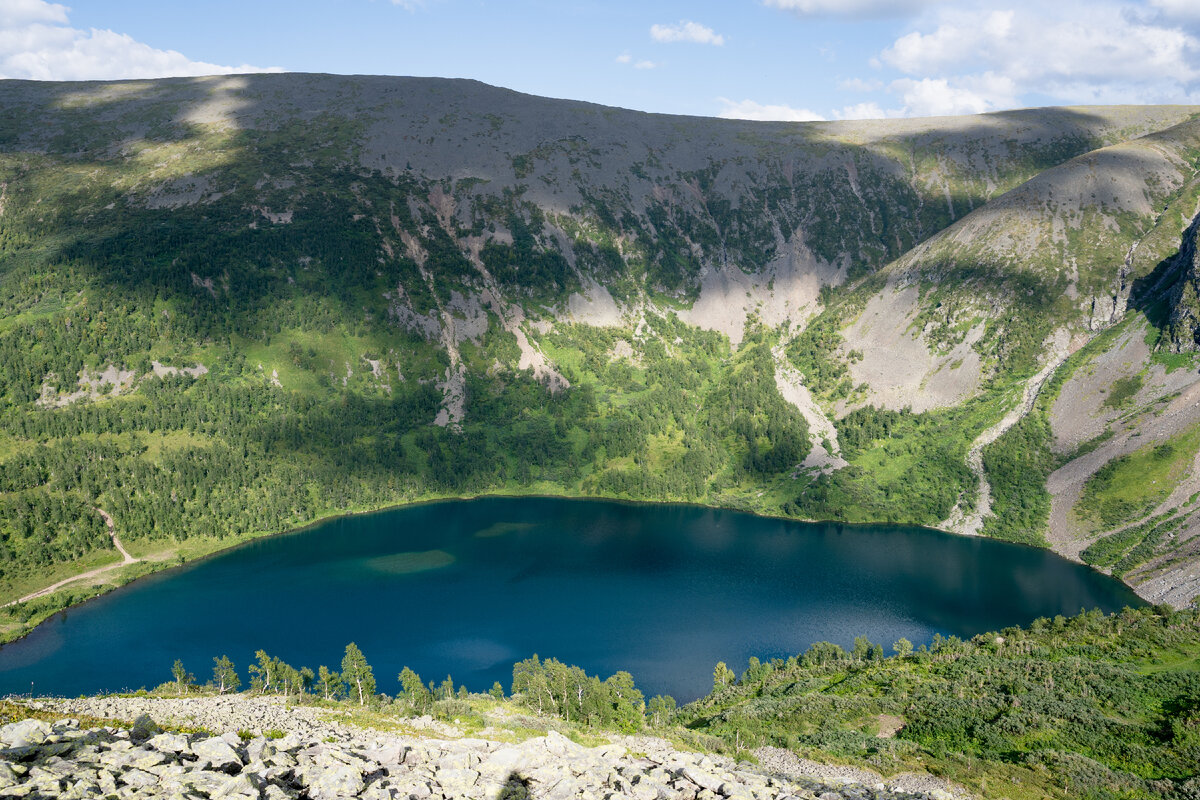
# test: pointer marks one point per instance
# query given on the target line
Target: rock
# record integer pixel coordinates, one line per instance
(25, 733)
(339, 781)
(701, 778)
(241, 786)
(143, 729)
(138, 779)
(218, 753)
(559, 745)
(456, 782)
(169, 743)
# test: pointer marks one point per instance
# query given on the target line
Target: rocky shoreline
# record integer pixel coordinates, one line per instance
(267, 749)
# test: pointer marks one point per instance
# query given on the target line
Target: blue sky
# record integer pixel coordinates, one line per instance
(764, 59)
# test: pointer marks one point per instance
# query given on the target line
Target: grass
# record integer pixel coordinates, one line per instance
(1123, 390)
(1129, 487)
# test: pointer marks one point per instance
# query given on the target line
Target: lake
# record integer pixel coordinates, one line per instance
(469, 587)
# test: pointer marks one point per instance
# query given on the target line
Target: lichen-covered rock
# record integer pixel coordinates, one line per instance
(24, 733)
(107, 762)
(217, 752)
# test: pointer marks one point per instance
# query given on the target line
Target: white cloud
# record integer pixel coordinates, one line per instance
(935, 97)
(749, 109)
(1074, 52)
(863, 111)
(642, 63)
(22, 12)
(38, 43)
(1178, 9)
(686, 31)
(859, 9)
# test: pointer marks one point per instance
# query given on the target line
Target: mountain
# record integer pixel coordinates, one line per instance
(233, 305)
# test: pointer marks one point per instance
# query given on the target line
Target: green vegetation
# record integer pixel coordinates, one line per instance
(1017, 466)
(905, 467)
(1130, 547)
(1090, 707)
(1123, 390)
(1129, 487)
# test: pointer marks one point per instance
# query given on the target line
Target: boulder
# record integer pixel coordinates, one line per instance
(138, 779)
(559, 745)
(24, 733)
(143, 729)
(168, 743)
(333, 782)
(218, 753)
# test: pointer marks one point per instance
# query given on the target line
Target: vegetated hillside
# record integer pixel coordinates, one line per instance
(234, 305)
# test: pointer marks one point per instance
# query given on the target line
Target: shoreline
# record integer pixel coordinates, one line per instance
(179, 562)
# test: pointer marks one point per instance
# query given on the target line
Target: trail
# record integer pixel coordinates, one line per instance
(126, 560)
(970, 522)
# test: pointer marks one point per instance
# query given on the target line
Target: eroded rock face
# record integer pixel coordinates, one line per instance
(67, 761)
(1183, 329)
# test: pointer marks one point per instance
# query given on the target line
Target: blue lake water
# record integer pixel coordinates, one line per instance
(469, 587)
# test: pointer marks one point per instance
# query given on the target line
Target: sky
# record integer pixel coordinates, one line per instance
(751, 59)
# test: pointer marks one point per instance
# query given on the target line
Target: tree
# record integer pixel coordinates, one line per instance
(265, 673)
(497, 691)
(660, 708)
(330, 682)
(627, 703)
(183, 678)
(722, 676)
(358, 674)
(529, 681)
(225, 677)
(903, 647)
(414, 690)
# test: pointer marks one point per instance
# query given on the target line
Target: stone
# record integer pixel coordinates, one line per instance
(241, 786)
(342, 780)
(217, 752)
(168, 743)
(147, 760)
(559, 745)
(24, 733)
(143, 729)
(456, 781)
(705, 780)
(138, 778)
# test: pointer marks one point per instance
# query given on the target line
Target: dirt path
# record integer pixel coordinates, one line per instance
(126, 560)
(970, 522)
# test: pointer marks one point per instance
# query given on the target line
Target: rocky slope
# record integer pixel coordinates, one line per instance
(304, 756)
(234, 305)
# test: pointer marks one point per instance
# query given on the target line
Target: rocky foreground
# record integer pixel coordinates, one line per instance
(304, 755)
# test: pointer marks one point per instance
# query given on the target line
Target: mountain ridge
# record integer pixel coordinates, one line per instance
(384, 289)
